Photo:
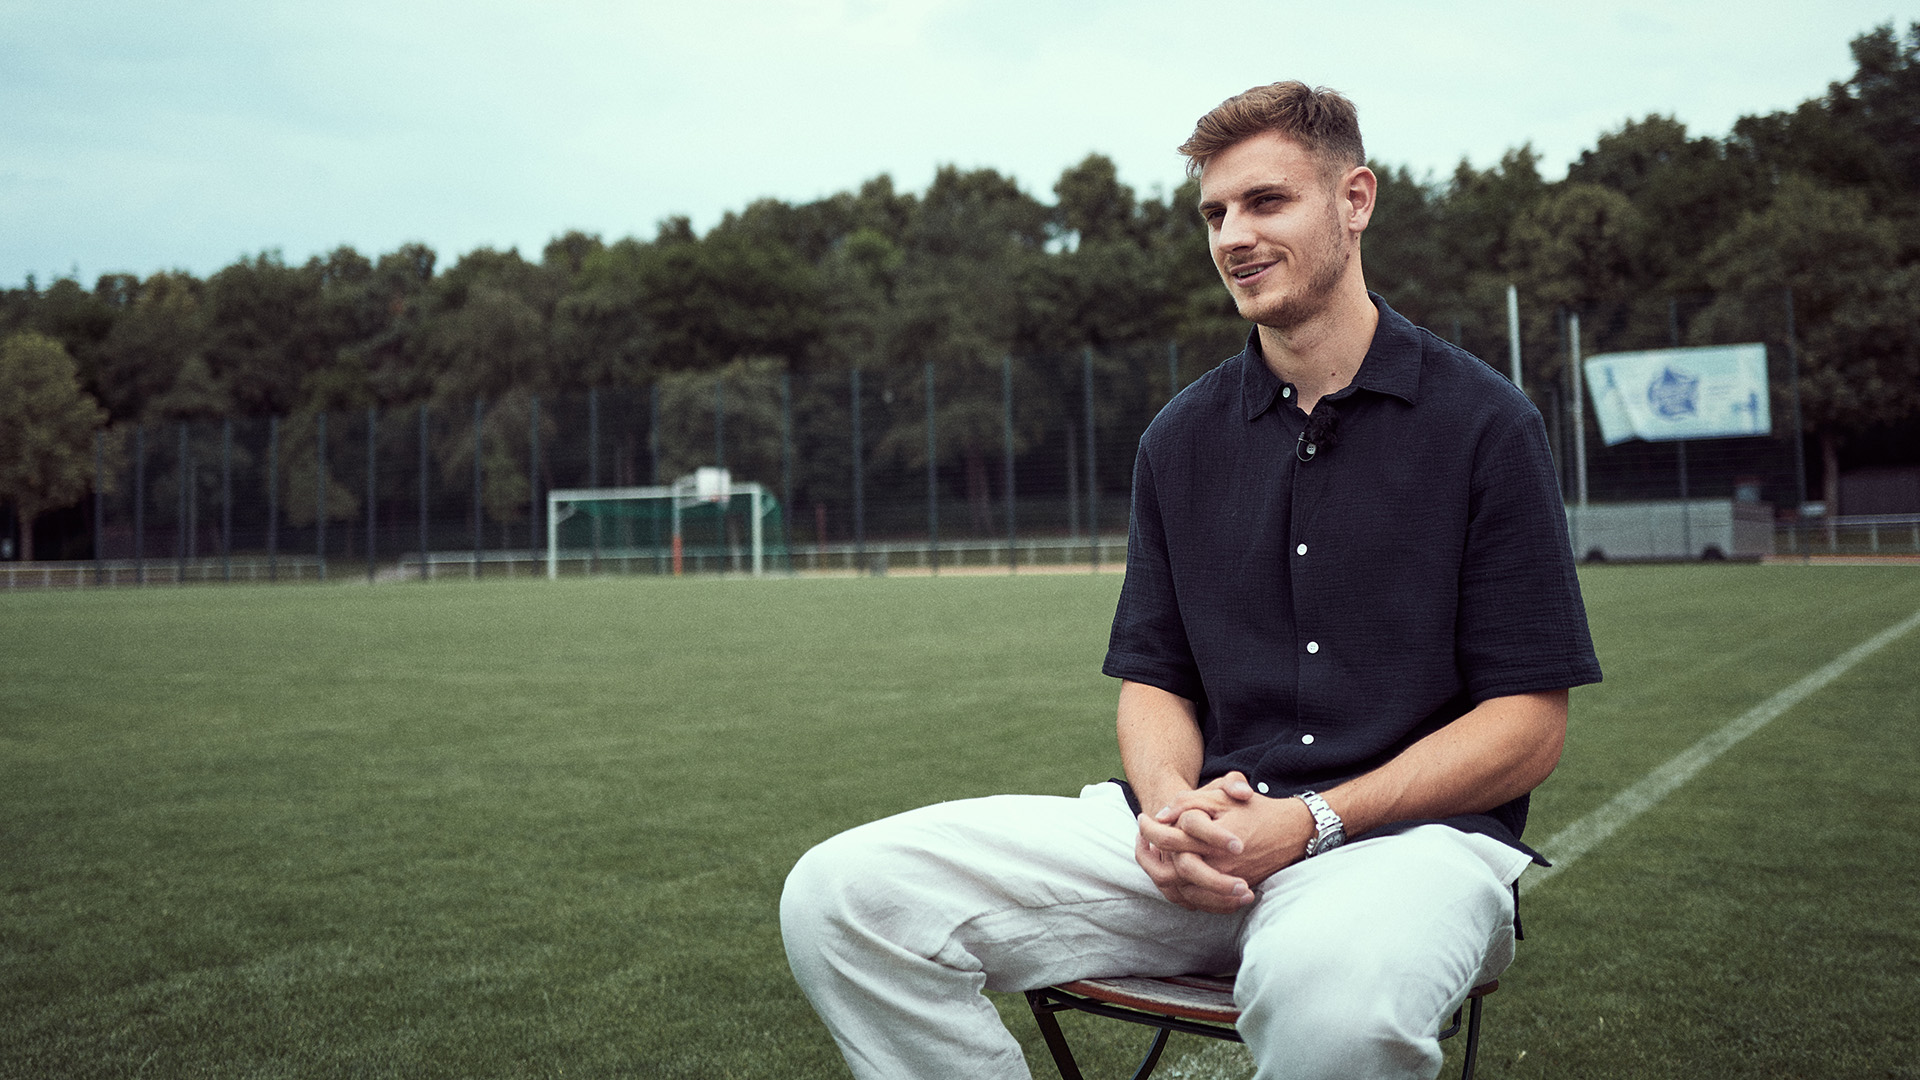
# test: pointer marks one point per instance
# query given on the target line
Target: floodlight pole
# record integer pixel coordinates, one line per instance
(1513, 333)
(674, 501)
(1680, 447)
(759, 560)
(553, 539)
(1799, 432)
(1579, 412)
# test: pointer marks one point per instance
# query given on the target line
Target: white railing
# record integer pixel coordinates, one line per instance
(876, 558)
(1876, 534)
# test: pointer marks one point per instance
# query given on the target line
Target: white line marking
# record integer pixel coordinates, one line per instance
(1577, 839)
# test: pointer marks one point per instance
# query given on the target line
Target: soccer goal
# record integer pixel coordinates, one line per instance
(703, 515)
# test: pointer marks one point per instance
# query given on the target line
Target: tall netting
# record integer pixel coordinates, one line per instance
(1005, 464)
(662, 530)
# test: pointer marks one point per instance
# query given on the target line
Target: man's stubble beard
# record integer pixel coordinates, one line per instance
(1313, 296)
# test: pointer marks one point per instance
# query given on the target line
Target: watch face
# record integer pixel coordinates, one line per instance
(1327, 841)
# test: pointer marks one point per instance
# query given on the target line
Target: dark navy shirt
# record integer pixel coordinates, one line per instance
(1326, 603)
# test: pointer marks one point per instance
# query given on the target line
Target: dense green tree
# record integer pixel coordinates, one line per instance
(1100, 287)
(1864, 133)
(1857, 305)
(386, 311)
(602, 333)
(1686, 191)
(743, 290)
(264, 338)
(970, 258)
(483, 329)
(1402, 253)
(740, 403)
(1579, 247)
(47, 426)
(151, 340)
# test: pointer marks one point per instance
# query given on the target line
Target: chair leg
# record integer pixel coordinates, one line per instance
(1473, 1038)
(1056, 1040)
(1152, 1060)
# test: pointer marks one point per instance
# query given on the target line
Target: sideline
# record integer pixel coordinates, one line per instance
(1567, 845)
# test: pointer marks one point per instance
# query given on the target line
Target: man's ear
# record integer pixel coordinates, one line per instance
(1357, 191)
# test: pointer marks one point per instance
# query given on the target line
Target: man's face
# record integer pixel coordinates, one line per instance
(1282, 230)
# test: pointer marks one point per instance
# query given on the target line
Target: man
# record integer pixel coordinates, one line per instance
(1345, 640)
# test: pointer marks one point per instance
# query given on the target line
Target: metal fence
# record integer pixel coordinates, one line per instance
(1022, 463)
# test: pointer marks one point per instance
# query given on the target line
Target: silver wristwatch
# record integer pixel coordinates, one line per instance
(1330, 831)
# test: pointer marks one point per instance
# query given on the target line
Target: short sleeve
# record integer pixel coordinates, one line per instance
(1522, 624)
(1149, 640)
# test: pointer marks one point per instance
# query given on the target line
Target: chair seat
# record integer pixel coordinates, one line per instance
(1194, 997)
(1196, 1004)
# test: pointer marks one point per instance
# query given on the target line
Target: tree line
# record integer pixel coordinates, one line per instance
(1820, 203)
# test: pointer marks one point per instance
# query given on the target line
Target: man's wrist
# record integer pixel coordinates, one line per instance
(1329, 831)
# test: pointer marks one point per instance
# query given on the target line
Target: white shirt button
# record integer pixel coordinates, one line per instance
(1313, 646)
(1286, 391)
(1261, 787)
(1307, 739)
(1301, 550)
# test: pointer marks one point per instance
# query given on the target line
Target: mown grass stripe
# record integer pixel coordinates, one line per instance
(1569, 844)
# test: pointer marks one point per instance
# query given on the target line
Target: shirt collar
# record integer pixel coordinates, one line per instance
(1391, 366)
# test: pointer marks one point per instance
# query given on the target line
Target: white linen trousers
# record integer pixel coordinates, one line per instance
(1349, 962)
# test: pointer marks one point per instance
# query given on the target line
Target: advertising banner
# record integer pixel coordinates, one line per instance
(1711, 392)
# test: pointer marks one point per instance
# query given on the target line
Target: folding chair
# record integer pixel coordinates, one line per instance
(1197, 1004)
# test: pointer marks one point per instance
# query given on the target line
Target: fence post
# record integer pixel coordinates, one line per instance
(1073, 481)
(859, 484)
(273, 498)
(720, 421)
(140, 504)
(226, 499)
(180, 511)
(1799, 433)
(423, 492)
(99, 506)
(593, 469)
(933, 476)
(1093, 464)
(653, 433)
(479, 418)
(533, 479)
(320, 491)
(373, 490)
(786, 465)
(1006, 426)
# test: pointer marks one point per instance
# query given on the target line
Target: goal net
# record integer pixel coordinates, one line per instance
(702, 521)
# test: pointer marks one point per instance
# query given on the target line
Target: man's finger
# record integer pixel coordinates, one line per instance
(1202, 827)
(1170, 838)
(1198, 873)
(1234, 785)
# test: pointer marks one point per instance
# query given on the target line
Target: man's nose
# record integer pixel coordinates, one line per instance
(1235, 233)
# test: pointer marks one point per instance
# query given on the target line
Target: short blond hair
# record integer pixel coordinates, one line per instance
(1322, 120)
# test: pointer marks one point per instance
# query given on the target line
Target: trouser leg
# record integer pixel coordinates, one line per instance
(893, 929)
(1352, 960)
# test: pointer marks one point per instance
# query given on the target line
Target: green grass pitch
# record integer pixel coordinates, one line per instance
(539, 829)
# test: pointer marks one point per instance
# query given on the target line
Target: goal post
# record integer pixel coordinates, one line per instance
(699, 515)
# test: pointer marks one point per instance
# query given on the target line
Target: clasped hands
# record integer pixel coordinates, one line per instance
(1210, 847)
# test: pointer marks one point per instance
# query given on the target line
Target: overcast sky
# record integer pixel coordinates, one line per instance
(138, 136)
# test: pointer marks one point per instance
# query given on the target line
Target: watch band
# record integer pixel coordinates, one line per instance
(1330, 832)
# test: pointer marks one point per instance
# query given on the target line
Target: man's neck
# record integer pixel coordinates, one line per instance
(1322, 355)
